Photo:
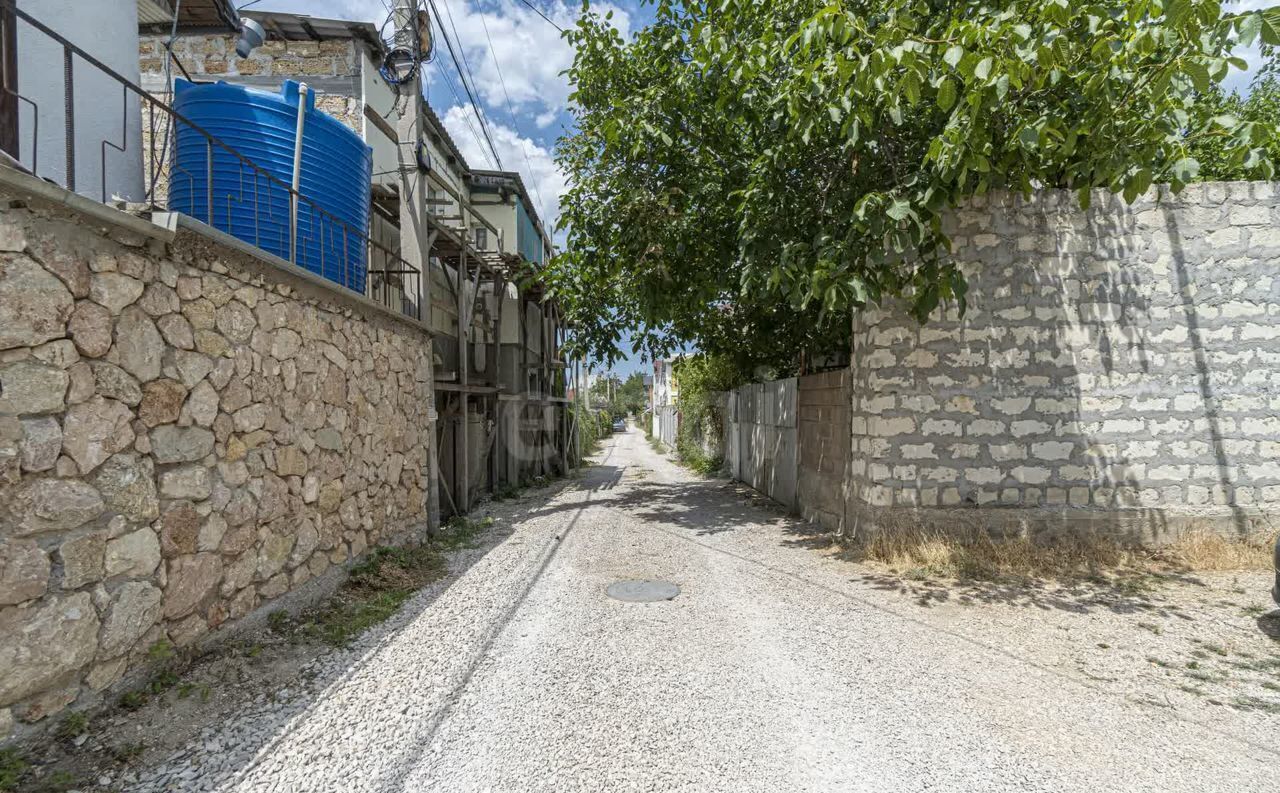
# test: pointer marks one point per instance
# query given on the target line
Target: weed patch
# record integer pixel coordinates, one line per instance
(12, 768)
(374, 590)
(72, 726)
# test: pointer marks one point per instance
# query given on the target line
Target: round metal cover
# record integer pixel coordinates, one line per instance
(645, 591)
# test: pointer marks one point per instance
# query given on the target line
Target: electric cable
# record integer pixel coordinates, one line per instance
(538, 11)
(470, 94)
(512, 114)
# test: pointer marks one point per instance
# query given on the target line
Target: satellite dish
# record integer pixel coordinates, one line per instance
(251, 37)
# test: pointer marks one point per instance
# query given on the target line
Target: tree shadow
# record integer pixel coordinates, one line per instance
(1135, 593)
(1269, 624)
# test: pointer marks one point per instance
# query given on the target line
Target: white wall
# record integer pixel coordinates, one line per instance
(107, 30)
(379, 96)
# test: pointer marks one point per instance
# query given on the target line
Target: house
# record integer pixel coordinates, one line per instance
(666, 418)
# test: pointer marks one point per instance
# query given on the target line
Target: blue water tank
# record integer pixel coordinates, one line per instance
(261, 127)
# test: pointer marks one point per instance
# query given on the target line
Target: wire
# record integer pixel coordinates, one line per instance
(538, 11)
(512, 114)
(470, 94)
(467, 116)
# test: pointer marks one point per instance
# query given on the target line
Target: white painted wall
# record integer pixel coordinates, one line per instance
(107, 30)
(379, 96)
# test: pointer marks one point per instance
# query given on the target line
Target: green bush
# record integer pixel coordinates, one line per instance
(588, 428)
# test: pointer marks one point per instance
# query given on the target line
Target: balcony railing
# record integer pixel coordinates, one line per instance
(95, 156)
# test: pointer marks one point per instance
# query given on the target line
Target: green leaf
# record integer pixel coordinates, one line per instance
(1199, 74)
(983, 70)
(953, 55)
(1185, 170)
(1248, 28)
(1270, 30)
(911, 88)
(946, 97)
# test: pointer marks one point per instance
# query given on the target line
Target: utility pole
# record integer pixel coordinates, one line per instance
(415, 238)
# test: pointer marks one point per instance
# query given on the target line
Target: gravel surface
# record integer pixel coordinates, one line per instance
(778, 667)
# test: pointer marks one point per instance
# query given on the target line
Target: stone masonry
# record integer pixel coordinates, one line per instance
(1116, 370)
(186, 434)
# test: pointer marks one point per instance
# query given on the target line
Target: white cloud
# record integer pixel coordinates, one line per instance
(544, 181)
(528, 54)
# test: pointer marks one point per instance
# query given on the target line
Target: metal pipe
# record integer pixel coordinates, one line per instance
(297, 174)
(69, 115)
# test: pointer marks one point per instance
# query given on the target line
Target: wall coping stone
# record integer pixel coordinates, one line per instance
(38, 188)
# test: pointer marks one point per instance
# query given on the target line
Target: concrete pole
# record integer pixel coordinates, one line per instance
(415, 245)
(462, 465)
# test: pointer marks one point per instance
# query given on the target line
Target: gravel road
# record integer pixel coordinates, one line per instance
(775, 669)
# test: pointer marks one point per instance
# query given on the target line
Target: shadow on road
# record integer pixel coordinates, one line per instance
(713, 507)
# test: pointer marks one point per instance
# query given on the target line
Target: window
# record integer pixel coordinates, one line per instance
(482, 239)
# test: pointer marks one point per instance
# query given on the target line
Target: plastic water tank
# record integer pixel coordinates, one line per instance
(261, 127)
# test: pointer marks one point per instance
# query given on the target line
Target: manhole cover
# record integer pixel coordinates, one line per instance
(643, 591)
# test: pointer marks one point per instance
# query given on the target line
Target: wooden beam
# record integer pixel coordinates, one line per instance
(311, 31)
(381, 124)
(470, 388)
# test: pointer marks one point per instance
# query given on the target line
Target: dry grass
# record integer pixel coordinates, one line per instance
(1212, 552)
(977, 555)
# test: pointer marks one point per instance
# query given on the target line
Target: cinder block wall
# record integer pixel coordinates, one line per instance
(186, 434)
(823, 448)
(1116, 370)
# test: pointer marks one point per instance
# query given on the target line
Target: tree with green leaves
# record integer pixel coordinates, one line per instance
(746, 173)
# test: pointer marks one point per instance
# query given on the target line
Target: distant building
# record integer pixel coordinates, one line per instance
(666, 419)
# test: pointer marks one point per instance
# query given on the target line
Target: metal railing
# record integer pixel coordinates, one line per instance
(243, 200)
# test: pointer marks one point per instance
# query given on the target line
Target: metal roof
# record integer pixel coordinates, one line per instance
(301, 27)
(213, 14)
(511, 179)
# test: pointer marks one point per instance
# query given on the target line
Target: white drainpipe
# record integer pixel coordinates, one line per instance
(297, 174)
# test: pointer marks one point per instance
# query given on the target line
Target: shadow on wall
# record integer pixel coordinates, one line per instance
(1101, 380)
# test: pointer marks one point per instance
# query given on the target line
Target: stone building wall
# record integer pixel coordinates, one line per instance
(186, 434)
(1117, 370)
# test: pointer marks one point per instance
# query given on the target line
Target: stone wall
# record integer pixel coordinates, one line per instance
(187, 432)
(215, 56)
(1116, 370)
(823, 446)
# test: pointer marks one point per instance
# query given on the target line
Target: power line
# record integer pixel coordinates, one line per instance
(465, 117)
(512, 114)
(462, 74)
(538, 11)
